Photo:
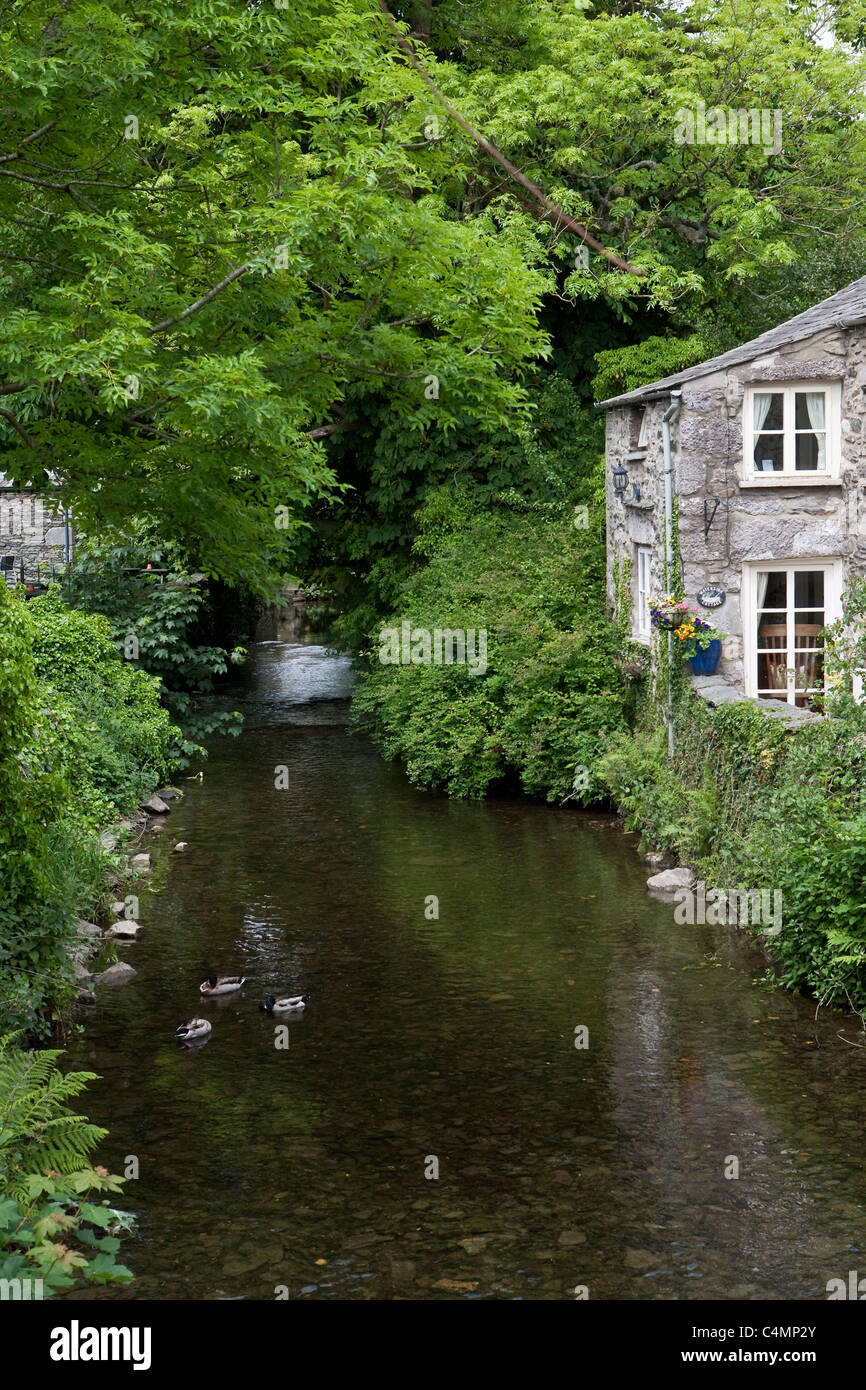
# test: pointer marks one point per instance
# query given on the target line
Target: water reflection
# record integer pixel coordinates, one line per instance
(453, 1038)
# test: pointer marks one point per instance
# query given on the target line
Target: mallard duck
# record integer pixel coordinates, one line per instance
(222, 984)
(196, 1028)
(294, 1005)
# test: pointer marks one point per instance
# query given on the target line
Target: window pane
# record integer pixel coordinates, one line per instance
(767, 410)
(809, 410)
(809, 589)
(768, 453)
(811, 445)
(767, 417)
(810, 453)
(773, 590)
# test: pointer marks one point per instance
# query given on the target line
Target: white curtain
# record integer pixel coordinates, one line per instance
(763, 579)
(815, 409)
(762, 402)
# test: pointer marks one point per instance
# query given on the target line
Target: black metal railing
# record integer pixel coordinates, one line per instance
(34, 577)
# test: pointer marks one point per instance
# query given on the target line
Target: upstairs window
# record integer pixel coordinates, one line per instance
(639, 428)
(792, 432)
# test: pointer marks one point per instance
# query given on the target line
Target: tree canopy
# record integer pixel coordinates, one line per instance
(238, 236)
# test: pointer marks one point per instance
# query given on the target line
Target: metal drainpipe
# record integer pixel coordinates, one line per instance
(671, 412)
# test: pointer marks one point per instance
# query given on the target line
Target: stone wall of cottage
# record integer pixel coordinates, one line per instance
(31, 530)
(749, 523)
(631, 521)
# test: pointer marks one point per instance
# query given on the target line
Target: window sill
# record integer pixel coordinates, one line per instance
(789, 480)
(637, 455)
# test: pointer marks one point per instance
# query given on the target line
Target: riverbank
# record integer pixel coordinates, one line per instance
(566, 710)
(83, 741)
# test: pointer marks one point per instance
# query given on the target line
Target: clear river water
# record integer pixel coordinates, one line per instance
(447, 1045)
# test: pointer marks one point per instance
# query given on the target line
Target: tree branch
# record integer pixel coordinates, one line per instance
(551, 208)
(34, 135)
(10, 388)
(205, 299)
(322, 431)
(7, 415)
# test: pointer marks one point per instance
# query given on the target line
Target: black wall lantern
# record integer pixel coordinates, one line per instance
(620, 480)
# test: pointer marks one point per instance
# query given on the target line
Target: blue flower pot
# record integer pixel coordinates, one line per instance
(705, 663)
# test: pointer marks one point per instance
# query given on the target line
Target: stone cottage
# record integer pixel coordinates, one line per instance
(33, 535)
(761, 455)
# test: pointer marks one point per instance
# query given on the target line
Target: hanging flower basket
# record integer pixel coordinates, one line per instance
(696, 639)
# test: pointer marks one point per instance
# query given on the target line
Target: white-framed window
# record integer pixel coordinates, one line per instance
(642, 591)
(786, 604)
(638, 427)
(792, 431)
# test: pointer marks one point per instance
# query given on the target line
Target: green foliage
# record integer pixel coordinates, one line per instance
(117, 739)
(845, 645)
(626, 368)
(54, 1225)
(737, 776)
(157, 621)
(551, 693)
(364, 545)
(81, 738)
(266, 233)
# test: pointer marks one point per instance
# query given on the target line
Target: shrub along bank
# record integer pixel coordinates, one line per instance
(83, 737)
(752, 803)
(529, 576)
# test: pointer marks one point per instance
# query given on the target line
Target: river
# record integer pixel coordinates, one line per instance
(431, 1130)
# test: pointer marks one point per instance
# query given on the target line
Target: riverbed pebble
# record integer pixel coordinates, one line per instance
(141, 863)
(156, 806)
(116, 974)
(660, 859)
(89, 928)
(124, 930)
(671, 880)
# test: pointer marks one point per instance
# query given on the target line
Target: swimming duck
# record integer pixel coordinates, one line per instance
(196, 1028)
(294, 1005)
(221, 984)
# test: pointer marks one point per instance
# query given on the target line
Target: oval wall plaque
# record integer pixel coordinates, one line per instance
(711, 596)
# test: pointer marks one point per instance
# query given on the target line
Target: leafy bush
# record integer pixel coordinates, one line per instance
(156, 619)
(82, 736)
(626, 368)
(738, 774)
(54, 1225)
(551, 694)
(118, 737)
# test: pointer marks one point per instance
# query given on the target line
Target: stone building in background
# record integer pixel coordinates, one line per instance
(765, 450)
(33, 535)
